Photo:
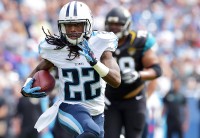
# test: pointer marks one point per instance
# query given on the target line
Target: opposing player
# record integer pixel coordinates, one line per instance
(126, 105)
(85, 64)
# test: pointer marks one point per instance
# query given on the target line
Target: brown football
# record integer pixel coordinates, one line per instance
(45, 80)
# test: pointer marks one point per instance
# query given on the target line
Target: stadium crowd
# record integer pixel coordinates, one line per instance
(175, 23)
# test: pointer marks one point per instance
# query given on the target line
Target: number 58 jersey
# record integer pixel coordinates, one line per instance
(79, 83)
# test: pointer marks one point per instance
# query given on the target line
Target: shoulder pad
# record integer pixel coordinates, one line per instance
(142, 33)
(108, 40)
(104, 35)
(150, 41)
(146, 39)
(45, 46)
(140, 39)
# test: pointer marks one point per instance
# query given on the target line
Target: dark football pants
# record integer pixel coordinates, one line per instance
(173, 130)
(130, 113)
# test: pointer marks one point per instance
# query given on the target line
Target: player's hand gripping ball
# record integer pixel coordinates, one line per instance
(45, 80)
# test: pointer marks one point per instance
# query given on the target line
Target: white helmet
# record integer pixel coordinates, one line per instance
(75, 12)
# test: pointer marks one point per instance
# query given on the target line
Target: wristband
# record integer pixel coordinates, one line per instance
(27, 80)
(101, 69)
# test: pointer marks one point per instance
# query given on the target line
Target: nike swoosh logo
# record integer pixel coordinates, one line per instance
(138, 97)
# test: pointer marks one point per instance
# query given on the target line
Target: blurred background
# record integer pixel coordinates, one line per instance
(174, 23)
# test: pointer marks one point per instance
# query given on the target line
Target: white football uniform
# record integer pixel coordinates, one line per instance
(79, 82)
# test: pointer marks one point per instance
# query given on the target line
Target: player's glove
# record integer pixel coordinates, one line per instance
(27, 91)
(129, 76)
(87, 52)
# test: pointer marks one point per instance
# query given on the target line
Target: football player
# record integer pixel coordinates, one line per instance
(85, 64)
(126, 105)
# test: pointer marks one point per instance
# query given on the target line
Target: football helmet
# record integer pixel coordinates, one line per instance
(119, 15)
(75, 12)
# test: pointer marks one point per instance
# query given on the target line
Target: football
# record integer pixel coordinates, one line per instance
(45, 80)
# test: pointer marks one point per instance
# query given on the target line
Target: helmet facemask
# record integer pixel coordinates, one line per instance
(81, 35)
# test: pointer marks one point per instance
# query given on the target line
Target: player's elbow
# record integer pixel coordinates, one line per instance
(113, 79)
(116, 82)
(116, 85)
(157, 69)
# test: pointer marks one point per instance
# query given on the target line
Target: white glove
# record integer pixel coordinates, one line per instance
(129, 76)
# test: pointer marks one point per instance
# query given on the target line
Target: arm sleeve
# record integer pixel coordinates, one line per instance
(150, 42)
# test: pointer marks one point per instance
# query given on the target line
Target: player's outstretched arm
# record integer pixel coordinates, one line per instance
(152, 68)
(113, 77)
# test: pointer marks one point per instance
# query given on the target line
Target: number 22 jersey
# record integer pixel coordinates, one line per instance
(79, 83)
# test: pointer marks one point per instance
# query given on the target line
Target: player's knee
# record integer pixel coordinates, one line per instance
(71, 128)
(87, 135)
(86, 126)
(92, 128)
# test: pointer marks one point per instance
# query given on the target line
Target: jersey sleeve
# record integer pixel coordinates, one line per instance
(150, 42)
(108, 39)
(45, 50)
(112, 43)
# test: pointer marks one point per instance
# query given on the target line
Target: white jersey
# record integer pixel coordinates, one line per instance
(79, 82)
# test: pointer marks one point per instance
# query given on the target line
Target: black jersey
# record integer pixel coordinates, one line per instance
(129, 55)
